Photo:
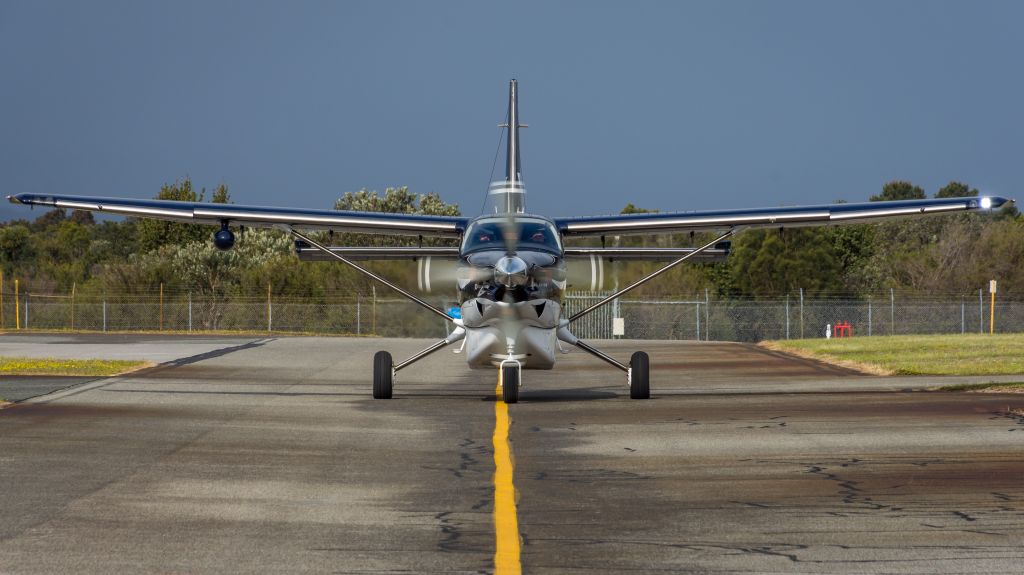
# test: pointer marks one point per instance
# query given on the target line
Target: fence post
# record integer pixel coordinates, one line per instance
(801, 313)
(869, 316)
(359, 319)
(981, 312)
(892, 312)
(73, 286)
(707, 316)
(698, 320)
(161, 306)
(787, 316)
(270, 311)
(17, 307)
(104, 316)
(27, 297)
(373, 310)
(1, 299)
(190, 312)
(963, 317)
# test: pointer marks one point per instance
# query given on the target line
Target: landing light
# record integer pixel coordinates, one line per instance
(986, 203)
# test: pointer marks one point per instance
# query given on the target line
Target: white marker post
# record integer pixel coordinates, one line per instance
(992, 308)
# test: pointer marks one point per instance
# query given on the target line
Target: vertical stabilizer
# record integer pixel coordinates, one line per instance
(509, 196)
(513, 167)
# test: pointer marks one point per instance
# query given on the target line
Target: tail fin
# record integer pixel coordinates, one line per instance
(509, 196)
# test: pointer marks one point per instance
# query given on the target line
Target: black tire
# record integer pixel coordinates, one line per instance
(640, 376)
(510, 384)
(382, 375)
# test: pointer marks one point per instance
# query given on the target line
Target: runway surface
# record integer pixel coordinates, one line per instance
(268, 455)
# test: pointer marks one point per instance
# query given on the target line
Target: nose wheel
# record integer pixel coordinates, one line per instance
(510, 373)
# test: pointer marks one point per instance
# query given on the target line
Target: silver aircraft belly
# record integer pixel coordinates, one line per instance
(498, 330)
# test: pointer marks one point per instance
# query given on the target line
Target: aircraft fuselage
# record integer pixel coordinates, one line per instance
(511, 276)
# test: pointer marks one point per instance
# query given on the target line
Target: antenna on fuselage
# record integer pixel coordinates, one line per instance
(509, 196)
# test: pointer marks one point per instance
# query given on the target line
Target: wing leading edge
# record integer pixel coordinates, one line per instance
(785, 217)
(256, 216)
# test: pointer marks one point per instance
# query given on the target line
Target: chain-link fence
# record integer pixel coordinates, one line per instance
(793, 317)
(666, 317)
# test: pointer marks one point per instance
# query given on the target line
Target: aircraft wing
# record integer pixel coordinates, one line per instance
(256, 216)
(784, 217)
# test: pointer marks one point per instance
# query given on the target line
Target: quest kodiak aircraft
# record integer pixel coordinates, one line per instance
(510, 268)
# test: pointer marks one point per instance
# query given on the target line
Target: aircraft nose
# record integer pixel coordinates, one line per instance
(511, 271)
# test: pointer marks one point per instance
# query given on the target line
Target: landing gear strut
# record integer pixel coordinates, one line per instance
(384, 368)
(638, 372)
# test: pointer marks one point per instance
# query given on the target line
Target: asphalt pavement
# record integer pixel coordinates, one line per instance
(268, 455)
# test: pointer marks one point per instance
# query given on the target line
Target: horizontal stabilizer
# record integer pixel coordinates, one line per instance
(308, 253)
(715, 254)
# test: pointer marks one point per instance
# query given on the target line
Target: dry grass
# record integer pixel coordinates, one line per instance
(971, 354)
(79, 367)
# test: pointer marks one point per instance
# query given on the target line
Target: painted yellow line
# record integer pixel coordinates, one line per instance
(506, 524)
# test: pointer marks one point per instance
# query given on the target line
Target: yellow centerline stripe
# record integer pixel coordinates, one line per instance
(506, 524)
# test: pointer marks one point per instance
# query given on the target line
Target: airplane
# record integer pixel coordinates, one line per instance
(510, 268)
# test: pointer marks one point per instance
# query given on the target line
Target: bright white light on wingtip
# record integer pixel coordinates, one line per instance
(986, 203)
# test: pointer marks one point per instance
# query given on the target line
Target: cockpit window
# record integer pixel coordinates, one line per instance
(527, 234)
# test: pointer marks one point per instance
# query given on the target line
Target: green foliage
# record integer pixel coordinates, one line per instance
(396, 201)
(767, 262)
(899, 190)
(956, 189)
(631, 209)
(153, 234)
(14, 246)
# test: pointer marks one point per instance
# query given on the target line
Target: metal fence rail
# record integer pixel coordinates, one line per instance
(671, 317)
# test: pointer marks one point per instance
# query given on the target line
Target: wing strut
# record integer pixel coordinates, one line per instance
(565, 335)
(370, 274)
(648, 278)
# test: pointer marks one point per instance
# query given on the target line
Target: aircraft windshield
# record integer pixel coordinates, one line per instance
(527, 234)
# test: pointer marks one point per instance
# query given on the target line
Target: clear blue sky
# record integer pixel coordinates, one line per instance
(668, 105)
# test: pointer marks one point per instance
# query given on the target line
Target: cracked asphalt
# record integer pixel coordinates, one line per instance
(267, 455)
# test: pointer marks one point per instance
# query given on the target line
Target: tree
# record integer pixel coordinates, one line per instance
(153, 234)
(394, 201)
(14, 245)
(956, 189)
(770, 263)
(631, 209)
(899, 190)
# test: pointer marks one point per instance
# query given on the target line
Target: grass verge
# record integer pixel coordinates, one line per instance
(79, 367)
(971, 354)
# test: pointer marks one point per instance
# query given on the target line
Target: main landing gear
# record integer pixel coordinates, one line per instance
(639, 376)
(383, 375)
(384, 367)
(638, 372)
